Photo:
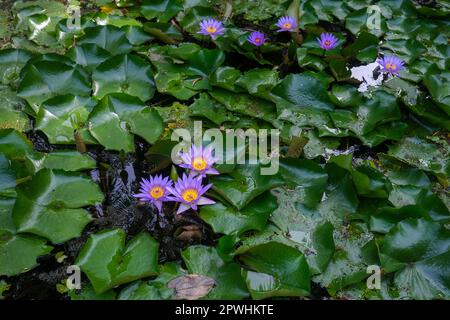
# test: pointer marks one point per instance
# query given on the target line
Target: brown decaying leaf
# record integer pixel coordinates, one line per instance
(191, 286)
(187, 233)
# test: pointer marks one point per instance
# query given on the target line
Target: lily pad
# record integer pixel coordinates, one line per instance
(124, 73)
(206, 261)
(212, 110)
(44, 79)
(423, 155)
(68, 160)
(18, 253)
(156, 289)
(259, 82)
(88, 55)
(118, 115)
(244, 184)
(50, 205)
(61, 116)
(11, 63)
(135, 260)
(12, 108)
(287, 267)
(228, 220)
(111, 38)
(246, 104)
(163, 10)
(419, 250)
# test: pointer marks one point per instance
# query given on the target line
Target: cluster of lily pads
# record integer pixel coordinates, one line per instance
(187, 190)
(363, 175)
(327, 41)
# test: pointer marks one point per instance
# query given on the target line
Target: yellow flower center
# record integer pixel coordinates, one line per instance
(157, 192)
(211, 29)
(199, 163)
(190, 195)
(258, 40)
(287, 25)
(391, 66)
(327, 42)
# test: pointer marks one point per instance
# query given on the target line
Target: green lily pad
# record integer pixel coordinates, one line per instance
(228, 220)
(49, 205)
(307, 60)
(423, 155)
(154, 289)
(7, 178)
(66, 34)
(125, 263)
(307, 176)
(439, 87)
(365, 47)
(370, 183)
(246, 104)
(44, 79)
(285, 270)
(419, 251)
(124, 73)
(244, 184)
(302, 91)
(226, 77)
(14, 145)
(61, 116)
(208, 108)
(12, 108)
(205, 62)
(117, 116)
(68, 160)
(163, 10)
(111, 38)
(367, 118)
(261, 10)
(11, 62)
(18, 253)
(206, 261)
(88, 55)
(259, 82)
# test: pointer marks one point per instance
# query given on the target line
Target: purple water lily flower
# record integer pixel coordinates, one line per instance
(391, 64)
(287, 23)
(188, 190)
(155, 190)
(327, 41)
(199, 160)
(257, 38)
(211, 27)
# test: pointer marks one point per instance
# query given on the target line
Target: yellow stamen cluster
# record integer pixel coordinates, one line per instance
(211, 29)
(287, 25)
(391, 66)
(190, 195)
(157, 192)
(199, 163)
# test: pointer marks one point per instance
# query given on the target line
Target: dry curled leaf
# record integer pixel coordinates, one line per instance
(187, 233)
(191, 286)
